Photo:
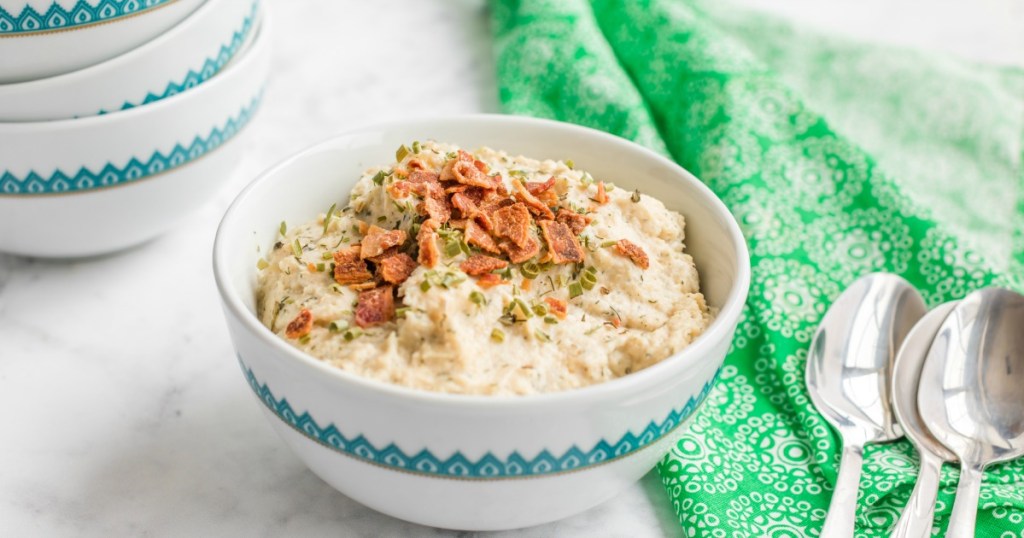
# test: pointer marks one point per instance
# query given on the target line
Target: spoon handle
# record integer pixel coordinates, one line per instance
(965, 507)
(917, 517)
(843, 507)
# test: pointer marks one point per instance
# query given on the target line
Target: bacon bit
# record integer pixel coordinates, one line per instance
(557, 307)
(478, 237)
(427, 239)
(378, 240)
(512, 222)
(537, 187)
(399, 189)
(416, 164)
(423, 176)
(349, 267)
(519, 254)
(435, 202)
(457, 187)
(576, 222)
(311, 266)
(368, 285)
(362, 226)
(549, 198)
(481, 166)
(490, 280)
(463, 169)
(396, 268)
(480, 264)
(536, 206)
(562, 244)
(375, 307)
(301, 325)
(625, 247)
(616, 322)
(458, 224)
(465, 205)
(602, 195)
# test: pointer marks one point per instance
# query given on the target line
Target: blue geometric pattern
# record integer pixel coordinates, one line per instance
(211, 66)
(488, 466)
(134, 170)
(81, 14)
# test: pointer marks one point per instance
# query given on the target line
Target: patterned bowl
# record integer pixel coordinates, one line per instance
(99, 184)
(187, 55)
(44, 38)
(475, 462)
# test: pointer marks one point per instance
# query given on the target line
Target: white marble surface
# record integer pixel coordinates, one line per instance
(122, 407)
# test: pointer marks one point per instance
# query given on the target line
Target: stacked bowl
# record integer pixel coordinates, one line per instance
(117, 117)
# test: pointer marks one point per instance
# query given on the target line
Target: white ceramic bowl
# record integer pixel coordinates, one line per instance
(94, 185)
(44, 38)
(186, 55)
(475, 462)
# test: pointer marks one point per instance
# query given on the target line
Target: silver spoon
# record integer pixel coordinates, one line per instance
(918, 516)
(970, 393)
(848, 371)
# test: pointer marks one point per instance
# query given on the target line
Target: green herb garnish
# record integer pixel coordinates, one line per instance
(400, 312)
(550, 320)
(425, 286)
(610, 243)
(337, 326)
(352, 334)
(415, 146)
(262, 264)
(575, 290)
(570, 163)
(402, 153)
(284, 227)
(378, 178)
(330, 215)
(498, 335)
(320, 267)
(326, 256)
(635, 197)
(304, 339)
(477, 298)
(541, 335)
(297, 248)
(529, 270)
(540, 310)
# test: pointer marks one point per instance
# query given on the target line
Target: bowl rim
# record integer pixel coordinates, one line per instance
(720, 328)
(80, 26)
(259, 38)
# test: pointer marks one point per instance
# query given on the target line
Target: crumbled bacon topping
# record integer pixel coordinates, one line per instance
(435, 203)
(395, 268)
(375, 307)
(478, 237)
(400, 189)
(512, 222)
(537, 187)
(427, 240)
(481, 264)
(517, 254)
(377, 240)
(423, 176)
(490, 280)
(301, 325)
(463, 169)
(535, 206)
(602, 194)
(562, 243)
(627, 248)
(349, 267)
(557, 307)
(576, 222)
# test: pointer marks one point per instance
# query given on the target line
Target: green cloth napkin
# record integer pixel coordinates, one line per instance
(838, 159)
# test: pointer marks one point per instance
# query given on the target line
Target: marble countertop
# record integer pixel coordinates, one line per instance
(122, 407)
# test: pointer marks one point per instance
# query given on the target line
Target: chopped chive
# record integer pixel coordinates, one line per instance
(304, 339)
(330, 215)
(587, 179)
(541, 335)
(337, 326)
(382, 218)
(352, 334)
(540, 310)
(425, 285)
(326, 256)
(452, 249)
(575, 290)
(450, 155)
(284, 227)
(570, 163)
(610, 243)
(498, 335)
(529, 270)
(335, 288)
(378, 178)
(477, 298)
(609, 187)
(402, 153)
(415, 146)
(320, 267)
(550, 320)
(262, 264)
(297, 248)
(400, 312)
(464, 247)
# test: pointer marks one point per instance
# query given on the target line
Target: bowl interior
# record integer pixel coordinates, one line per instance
(305, 185)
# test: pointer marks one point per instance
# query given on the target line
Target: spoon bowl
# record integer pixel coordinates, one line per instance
(970, 392)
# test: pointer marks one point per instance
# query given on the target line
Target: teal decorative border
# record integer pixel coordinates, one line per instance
(134, 170)
(211, 66)
(459, 466)
(81, 14)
